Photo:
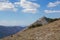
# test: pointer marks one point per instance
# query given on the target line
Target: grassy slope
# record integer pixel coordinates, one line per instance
(47, 32)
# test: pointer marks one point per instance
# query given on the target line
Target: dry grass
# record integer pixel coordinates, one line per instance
(47, 32)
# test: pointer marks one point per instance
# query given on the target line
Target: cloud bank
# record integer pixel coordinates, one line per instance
(52, 5)
(52, 11)
(27, 6)
(11, 23)
(6, 5)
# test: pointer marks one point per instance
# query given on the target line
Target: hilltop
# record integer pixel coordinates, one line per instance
(51, 31)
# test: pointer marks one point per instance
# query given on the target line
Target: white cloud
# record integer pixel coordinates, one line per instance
(11, 23)
(29, 10)
(6, 5)
(52, 11)
(28, 6)
(51, 4)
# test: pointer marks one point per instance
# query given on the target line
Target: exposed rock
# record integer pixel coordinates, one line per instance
(42, 21)
(39, 22)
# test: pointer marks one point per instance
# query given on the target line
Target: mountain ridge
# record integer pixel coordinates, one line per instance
(42, 21)
(50, 31)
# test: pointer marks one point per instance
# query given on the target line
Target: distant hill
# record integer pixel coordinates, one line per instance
(50, 31)
(6, 31)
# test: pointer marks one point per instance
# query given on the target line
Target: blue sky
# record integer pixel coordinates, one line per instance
(25, 12)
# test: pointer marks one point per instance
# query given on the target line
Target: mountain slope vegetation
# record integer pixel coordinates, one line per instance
(50, 31)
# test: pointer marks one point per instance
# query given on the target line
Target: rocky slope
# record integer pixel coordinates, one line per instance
(42, 21)
(50, 31)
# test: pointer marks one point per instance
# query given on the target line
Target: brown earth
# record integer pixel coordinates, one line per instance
(50, 31)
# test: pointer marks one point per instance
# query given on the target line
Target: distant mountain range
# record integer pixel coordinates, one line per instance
(6, 31)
